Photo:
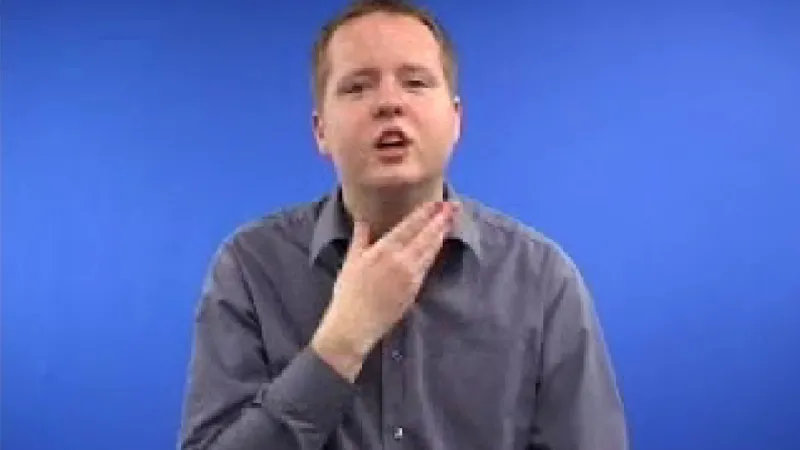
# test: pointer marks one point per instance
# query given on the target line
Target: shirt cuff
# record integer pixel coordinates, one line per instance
(310, 393)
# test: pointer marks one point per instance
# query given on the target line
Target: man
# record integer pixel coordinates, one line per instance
(392, 313)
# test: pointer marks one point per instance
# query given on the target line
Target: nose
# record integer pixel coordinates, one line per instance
(388, 102)
(388, 109)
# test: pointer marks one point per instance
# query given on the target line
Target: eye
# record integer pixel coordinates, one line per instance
(353, 88)
(416, 83)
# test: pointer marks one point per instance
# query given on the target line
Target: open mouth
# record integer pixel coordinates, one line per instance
(392, 139)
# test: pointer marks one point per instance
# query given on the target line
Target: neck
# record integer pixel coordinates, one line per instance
(382, 209)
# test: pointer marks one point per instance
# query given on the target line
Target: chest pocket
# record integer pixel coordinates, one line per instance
(473, 358)
(469, 369)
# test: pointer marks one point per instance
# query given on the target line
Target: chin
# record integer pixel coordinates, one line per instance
(394, 179)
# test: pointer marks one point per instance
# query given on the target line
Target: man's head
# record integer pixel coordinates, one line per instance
(384, 87)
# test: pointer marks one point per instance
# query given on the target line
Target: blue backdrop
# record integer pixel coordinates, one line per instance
(659, 144)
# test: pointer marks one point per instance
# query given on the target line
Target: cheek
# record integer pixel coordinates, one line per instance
(349, 128)
(346, 138)
(437, 123)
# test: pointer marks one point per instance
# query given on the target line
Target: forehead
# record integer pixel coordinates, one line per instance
(383, 39)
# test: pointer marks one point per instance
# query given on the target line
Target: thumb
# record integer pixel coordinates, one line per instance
(360, 240)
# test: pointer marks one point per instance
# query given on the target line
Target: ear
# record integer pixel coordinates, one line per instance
(458, 108)
(318, 128)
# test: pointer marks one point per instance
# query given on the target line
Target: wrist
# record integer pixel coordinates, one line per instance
(339, 353)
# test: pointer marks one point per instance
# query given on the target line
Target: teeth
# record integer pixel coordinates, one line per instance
(392, 139)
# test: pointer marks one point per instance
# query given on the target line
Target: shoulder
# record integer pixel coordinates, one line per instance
(289, 225)
(505, 239)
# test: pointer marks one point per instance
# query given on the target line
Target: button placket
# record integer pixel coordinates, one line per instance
(393, 385)
(397, 355)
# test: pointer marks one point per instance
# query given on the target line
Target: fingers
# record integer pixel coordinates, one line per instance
(406, 230)
(427, 245)
(424, 247)
(360, 241)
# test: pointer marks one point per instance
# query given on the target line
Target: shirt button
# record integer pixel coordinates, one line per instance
(398, 433)
(397, 355)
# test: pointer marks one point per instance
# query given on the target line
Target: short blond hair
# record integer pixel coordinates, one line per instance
(360, 8)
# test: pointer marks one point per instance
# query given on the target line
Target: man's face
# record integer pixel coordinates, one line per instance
(388, 118)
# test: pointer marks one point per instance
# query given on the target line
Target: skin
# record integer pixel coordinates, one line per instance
(385, 70)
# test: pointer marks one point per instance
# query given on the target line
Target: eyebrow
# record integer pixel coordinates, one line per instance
(362, 72)
(372, 71)
(408, 67)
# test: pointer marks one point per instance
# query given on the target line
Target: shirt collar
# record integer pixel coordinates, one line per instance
(334, 224)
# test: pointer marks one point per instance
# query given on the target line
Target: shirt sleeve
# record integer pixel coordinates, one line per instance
(231, 402)
(578, 403)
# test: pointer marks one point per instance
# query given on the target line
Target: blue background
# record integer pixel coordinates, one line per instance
(659, 144)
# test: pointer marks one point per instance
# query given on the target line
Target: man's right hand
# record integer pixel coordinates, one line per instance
(377, 285)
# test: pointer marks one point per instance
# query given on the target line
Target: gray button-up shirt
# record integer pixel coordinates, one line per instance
(502, 349)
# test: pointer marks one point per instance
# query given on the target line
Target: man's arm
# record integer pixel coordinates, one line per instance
(231, 401)
(578, 403)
